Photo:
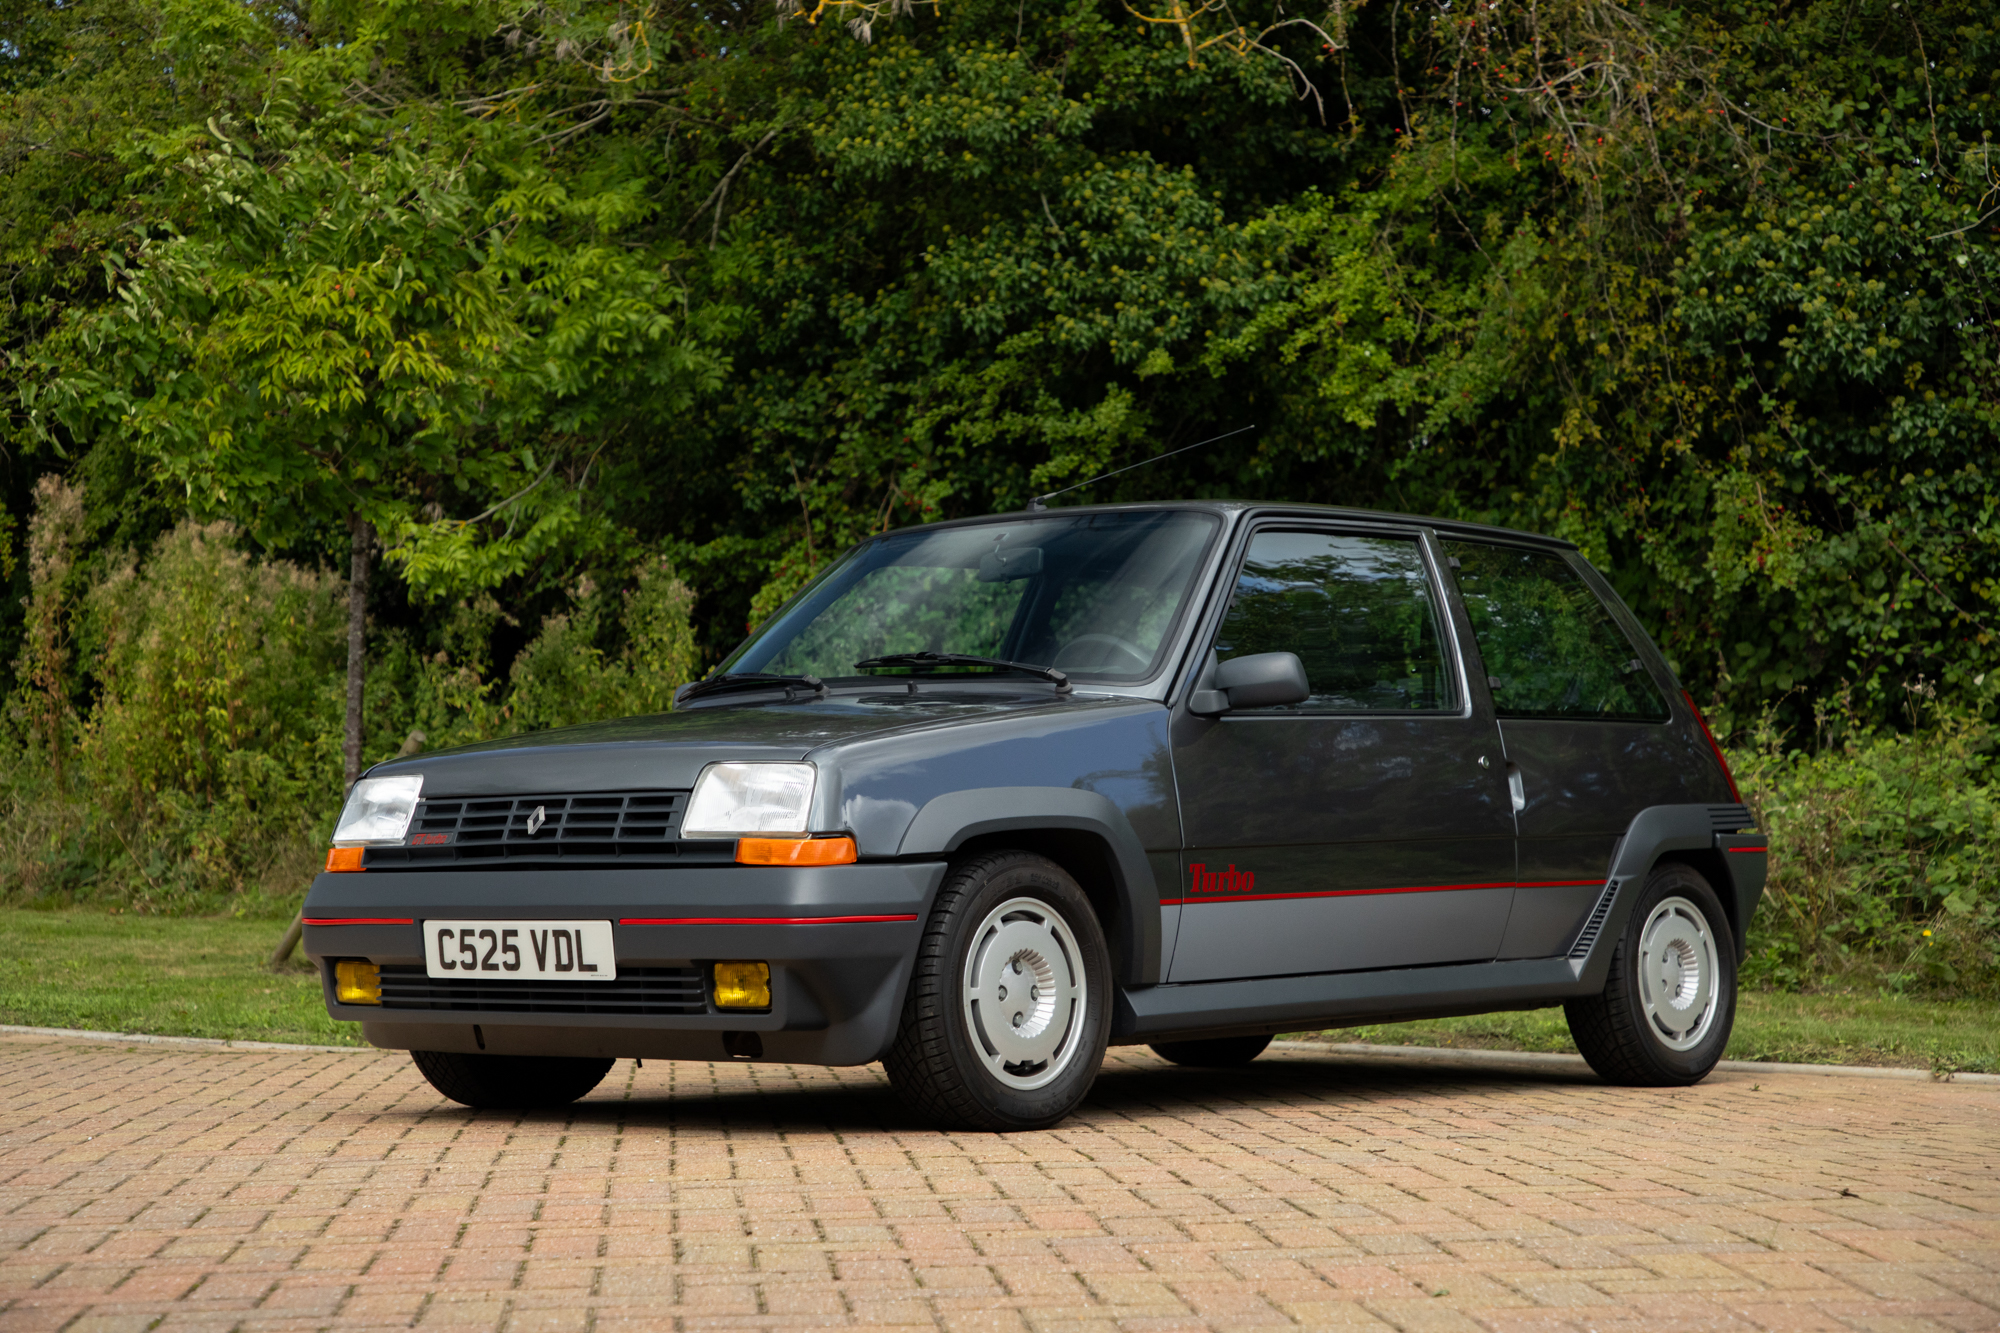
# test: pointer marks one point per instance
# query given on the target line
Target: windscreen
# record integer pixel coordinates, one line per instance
(1094, 595)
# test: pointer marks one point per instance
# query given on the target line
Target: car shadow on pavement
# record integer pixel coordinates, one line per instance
(1307, 1078)
(1133, 1084)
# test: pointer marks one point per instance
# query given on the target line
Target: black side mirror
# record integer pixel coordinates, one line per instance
(1261, 680)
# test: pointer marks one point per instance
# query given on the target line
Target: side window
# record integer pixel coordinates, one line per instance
(1551, 648)
(1359, 611)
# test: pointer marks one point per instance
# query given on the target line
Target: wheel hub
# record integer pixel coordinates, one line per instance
(1677, 973)
(1024, 994)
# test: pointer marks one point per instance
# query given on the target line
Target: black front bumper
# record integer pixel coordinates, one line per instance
(840, 941)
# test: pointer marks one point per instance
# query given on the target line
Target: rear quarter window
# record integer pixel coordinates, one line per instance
(1550, 647)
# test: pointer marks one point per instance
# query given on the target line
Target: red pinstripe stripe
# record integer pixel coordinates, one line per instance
(1755, 851)
(757, 920)
(1365, 893)
(641, 920)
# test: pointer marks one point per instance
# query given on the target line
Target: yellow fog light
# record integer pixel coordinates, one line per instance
(743, 985)
(357, 982)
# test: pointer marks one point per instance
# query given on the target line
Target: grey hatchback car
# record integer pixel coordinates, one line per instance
(987, 796)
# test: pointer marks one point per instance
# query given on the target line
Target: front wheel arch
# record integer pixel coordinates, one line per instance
(1087, 858)
(1081, 830)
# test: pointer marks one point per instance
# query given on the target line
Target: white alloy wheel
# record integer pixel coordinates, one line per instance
(1025, 997)
(1677, 973)
(1005, 1022)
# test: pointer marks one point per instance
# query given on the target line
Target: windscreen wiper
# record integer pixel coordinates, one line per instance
(751, 680)
(1057, 678)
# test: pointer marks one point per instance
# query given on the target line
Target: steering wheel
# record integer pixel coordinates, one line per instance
(1067, 657)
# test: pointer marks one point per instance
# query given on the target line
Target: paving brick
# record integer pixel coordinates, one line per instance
(263, 1192)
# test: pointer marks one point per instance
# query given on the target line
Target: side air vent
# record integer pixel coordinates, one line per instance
(1595, 925)
(1730, 818)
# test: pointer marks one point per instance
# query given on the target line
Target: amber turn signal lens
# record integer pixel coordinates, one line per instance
(356, 981)
(795, 851)
(743, 985)
(345, 858)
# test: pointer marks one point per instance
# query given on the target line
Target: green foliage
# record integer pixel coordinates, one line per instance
(207, 764)
(381, 307)
(1710, 292)
(213, 672)
(1883, 853)
(202, 766)
(565, 677)
(43, 705)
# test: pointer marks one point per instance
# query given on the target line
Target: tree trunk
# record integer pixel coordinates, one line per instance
(282, 955)
(361, 551)
(357, 636)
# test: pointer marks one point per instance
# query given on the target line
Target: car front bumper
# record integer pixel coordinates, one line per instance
(840, 941)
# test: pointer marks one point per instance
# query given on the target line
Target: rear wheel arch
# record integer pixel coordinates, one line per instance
(1709, 865)
(1663, 835)
(1664, 1014)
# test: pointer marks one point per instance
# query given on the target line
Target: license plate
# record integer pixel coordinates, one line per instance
(521, 950)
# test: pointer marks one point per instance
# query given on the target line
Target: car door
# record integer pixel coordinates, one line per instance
(1368, 826)
(1583, 721)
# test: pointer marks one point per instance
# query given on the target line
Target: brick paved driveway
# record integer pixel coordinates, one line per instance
(175, 1188)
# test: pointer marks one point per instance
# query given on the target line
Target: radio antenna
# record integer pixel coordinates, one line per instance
(1035, 504)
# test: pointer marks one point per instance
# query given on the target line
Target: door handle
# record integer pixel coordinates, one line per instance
(1516, 788)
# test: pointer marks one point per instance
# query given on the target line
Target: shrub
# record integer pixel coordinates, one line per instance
(563, 677)
(209, 755)
(54, 534)
(1883, 854)
(204, 770)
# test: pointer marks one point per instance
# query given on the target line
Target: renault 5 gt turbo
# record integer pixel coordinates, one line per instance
(990, 795)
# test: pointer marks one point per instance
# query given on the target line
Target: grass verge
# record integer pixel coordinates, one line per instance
(205, 977)
(169, 976)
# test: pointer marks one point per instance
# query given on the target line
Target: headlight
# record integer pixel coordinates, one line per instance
(738, 800)
(378, 812)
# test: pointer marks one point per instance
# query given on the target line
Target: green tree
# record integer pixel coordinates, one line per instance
(357, 315)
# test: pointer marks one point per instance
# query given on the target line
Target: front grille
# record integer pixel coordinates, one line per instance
(638, 990)
(597, 827)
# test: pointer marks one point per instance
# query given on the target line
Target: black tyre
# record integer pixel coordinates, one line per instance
(1009, 1007)
(511, 1082)
(1212, 1052)
(1670, 999)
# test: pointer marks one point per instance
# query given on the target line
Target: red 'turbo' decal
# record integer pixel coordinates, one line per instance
(429, 839)
(1231, 880)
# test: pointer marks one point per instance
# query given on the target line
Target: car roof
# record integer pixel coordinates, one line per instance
(1263, 509)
